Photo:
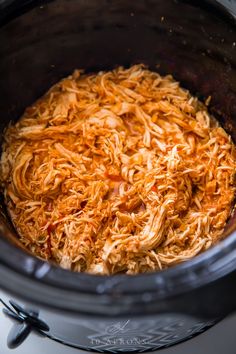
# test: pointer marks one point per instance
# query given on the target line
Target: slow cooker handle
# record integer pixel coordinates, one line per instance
(26, 321)
(17, 335)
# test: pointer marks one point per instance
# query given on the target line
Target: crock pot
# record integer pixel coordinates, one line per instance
(43, 41)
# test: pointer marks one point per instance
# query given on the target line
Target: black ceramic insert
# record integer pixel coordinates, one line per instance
(42, 42)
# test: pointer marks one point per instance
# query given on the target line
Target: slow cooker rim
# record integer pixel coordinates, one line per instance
(184, 277)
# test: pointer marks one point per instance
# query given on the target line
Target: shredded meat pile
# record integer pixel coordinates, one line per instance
(120, 171)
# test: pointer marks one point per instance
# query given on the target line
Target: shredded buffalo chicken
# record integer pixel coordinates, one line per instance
(119, 171)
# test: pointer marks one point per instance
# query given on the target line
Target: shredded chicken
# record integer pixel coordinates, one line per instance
(120, 171)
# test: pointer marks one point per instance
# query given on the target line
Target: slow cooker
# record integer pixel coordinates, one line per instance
(43, 41)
